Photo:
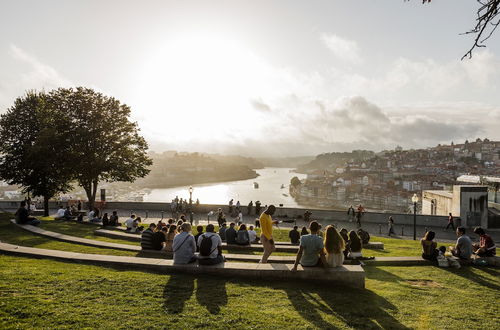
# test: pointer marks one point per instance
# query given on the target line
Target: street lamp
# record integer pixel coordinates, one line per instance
(414, 199)
(190, 204)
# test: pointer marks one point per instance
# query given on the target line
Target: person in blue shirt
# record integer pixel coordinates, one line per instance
(311, 251)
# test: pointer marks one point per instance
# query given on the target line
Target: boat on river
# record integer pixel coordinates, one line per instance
(256, 185)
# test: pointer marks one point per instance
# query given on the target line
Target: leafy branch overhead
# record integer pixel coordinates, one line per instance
(487, 22)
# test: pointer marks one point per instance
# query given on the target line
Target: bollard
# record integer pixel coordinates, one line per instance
(162, 215)
(146, 214)
(379, 228)
(402, 230)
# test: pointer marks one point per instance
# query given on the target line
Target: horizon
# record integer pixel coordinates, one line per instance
(264, 80)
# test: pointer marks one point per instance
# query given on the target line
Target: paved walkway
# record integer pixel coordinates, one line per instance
(374, 229)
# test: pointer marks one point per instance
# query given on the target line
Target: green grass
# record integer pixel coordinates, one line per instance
(392, 247)
(51, 294)
(10, 233)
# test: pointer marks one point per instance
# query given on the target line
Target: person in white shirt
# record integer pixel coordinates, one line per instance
(252, 234)
(210, 245)
(184, 246)
(239, 220)
(60, 213)
(130, 222)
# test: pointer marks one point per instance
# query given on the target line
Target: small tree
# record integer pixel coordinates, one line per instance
(31, 139)
(105, 144)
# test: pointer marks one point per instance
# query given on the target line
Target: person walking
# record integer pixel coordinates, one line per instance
(359, 214)
(451, 222)
(266, 223)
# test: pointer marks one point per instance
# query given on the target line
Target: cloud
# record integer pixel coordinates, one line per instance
(40, 74)
(259, 105)
(344, 49)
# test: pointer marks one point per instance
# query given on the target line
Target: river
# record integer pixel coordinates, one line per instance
(269, 180)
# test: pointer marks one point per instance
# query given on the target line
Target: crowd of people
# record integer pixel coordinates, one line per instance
(464, 249)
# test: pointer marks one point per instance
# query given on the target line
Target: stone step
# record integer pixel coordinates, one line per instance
(137, 248)
(280, 246)
(351, 275)
(370, 245)
(253, 247)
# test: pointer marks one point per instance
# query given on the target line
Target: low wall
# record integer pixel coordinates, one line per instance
(325, 216)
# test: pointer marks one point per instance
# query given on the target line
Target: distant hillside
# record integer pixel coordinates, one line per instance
(176, 169)
(331, 160)
(285, 161)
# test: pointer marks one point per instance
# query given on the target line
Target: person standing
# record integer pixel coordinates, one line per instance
(359, 214)
(257, 207)
(249, 208)
(391, 226)
(266, 224)
(350, 213)
(451, 222)
(231, 206)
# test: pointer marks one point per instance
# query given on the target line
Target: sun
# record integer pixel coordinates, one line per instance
(205, 80)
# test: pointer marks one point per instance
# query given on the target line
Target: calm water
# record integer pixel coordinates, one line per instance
(269, 191)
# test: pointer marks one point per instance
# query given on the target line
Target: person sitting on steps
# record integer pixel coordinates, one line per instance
(231, 234)
(184, 246)
(242, 237)
(210, 245)
(311, 253)
(23, 217)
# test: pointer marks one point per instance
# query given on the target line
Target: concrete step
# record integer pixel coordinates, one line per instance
(137, 248)
(252, 247)
(351, 275)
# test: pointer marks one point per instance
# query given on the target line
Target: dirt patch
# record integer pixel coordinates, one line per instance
(423, 283)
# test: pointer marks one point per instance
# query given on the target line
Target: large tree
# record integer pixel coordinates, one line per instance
(105, 144)
(32, 142)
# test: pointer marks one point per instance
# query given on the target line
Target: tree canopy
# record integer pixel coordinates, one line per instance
(105, 144)
(49, 140)
(31, 138)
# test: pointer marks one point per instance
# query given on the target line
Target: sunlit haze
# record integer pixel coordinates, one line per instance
(264, 78)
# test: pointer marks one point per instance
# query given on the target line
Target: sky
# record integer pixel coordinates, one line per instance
(264, 78)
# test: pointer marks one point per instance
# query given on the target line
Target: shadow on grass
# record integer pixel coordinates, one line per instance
(468, 273)
(211, 293)
(178, 290)
(356, 308)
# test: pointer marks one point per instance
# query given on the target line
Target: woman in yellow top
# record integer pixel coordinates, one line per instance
(266, 225)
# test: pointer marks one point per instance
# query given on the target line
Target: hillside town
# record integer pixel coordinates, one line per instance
(386, 181)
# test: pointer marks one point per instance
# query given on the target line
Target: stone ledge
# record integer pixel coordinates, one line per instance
(351, 275)
(370, 245)
(253, 247)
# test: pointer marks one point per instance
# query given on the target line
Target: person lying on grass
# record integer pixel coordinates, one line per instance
(311, 252)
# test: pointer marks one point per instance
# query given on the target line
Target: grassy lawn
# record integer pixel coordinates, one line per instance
(392, 247)
(50, 294)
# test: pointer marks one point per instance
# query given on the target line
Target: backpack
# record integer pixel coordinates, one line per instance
(206, 246)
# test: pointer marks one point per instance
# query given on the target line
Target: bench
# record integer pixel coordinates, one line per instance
(351, 275)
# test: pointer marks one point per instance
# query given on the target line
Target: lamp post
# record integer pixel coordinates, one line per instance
(414, 199)
(190, 204)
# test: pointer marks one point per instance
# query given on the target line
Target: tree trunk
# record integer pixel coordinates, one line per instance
(91, 190)
(45, 206)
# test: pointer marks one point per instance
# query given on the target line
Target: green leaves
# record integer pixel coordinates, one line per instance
(51, 139)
